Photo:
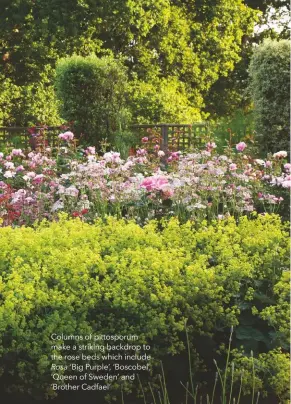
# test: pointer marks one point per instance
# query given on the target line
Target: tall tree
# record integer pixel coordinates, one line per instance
(230, 93)
(192, 41)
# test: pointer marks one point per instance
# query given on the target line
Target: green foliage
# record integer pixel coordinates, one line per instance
(92, 94)
(8, 94)
(165, 100)
(234, 129)
(230, 93)
(272, 373)
(270, 89)
(277, 315)
(124, 141)
(115, 277)
(34, 34)
(27, 105)
(175, 50)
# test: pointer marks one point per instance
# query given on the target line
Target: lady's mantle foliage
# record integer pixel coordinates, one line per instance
(113, 277)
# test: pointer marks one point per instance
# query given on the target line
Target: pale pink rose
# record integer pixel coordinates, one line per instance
(260, 162)
(232, 167)
(9, 174)
(167, 192)
(9, 165)
(154, 182)
(241, 146)
(31, 174)
(210, 146)
(68, 136)
(38, 179)
(112, 157)
(17, 152)
(286, 184)
(280, 154)
(141, 152)
(90, 150)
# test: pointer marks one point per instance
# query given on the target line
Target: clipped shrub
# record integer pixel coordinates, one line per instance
(115, 277)
(92, 94)
(270, 89)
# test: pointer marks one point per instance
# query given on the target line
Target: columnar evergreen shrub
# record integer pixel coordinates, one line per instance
(92, 94)
(115, 277)
(270, 89)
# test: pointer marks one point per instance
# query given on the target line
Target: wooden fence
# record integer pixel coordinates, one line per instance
(19, 137)
(179, 136)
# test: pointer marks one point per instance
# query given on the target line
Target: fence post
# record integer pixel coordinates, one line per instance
(165, 139)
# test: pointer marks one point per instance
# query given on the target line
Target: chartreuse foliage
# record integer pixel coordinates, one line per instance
(165, 100)
(114, 277)
(269, 369)
(30, 104)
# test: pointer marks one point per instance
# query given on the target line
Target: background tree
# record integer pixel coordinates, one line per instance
(193, 42)
(229, 93)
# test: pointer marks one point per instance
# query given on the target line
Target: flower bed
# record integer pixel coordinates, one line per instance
(194, 186)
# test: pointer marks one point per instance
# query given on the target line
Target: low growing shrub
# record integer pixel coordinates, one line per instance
(114, 277)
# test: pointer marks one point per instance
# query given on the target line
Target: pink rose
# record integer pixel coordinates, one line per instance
(141, 152)
(280, 154)
(68, 136)
(154, 182)
(210, 146)
(241, 146)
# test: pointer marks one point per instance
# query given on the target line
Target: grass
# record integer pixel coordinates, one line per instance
(161, 396)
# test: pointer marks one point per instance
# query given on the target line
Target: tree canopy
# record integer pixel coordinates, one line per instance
(192, 41)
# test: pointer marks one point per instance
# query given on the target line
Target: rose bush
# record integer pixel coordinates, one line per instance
(194, 186)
